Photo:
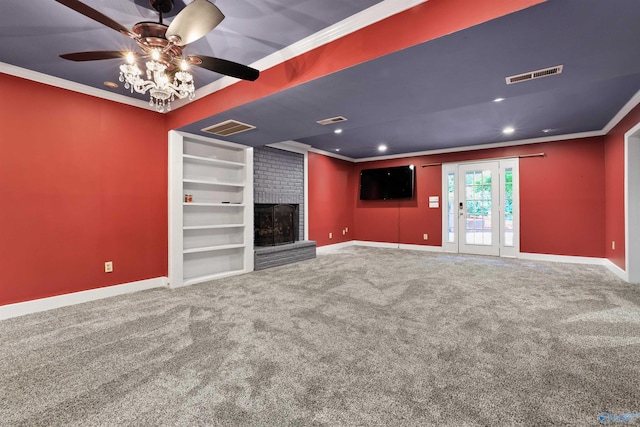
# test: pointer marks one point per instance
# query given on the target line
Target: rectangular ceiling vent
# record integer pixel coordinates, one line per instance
(531, 75)
(228, 128)
(331, 120)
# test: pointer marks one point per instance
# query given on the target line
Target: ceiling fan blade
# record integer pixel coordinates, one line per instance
(97, 16)
(225, 67)
(193, 22)
(94, 55)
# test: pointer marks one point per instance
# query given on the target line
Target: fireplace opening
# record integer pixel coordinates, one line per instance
(275, 224)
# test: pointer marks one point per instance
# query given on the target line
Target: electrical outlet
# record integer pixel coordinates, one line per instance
(331, 235)
(346, 229)
(344, 232)
(613, 245)
(425, 236)
(108, 266)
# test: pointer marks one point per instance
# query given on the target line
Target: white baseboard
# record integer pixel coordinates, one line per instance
(577, 260)
(624, 275)
(337, 246)
(522, 255)
(425, 248)
(561, 258)
(376, 244)
(28, 307)
(323, 250)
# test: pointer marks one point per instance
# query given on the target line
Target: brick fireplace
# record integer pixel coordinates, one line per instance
(278, 184)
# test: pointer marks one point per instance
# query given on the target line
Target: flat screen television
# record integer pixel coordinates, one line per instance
(387, 183)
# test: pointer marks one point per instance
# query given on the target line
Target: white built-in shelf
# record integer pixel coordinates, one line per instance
(212, 160)
(213, 248)
(214, 204)
(212, 227)
(211, 237)
(205, 182)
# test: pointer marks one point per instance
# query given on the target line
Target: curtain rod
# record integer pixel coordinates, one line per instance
(521, 156)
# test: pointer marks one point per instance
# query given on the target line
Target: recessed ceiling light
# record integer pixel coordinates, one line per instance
(546, 130)
(337, 149)
(498, 100)
(337, 131)
(111, 85)
(382, 147)
(508, 130)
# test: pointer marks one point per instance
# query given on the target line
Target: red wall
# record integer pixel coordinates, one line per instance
(331, 199)
(561, 199)
(82, 181)
(614, 188)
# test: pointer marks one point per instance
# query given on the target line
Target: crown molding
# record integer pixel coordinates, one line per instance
(630, 105)
(349, 25)
(293, 146)
(485, 146)
(72, 86)
(330, 154)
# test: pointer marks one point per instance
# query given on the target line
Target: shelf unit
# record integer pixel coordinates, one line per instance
(211, 236)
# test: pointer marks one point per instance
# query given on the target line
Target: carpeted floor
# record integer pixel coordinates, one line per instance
(361, 337)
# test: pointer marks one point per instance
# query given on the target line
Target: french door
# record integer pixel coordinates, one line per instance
(480, 207)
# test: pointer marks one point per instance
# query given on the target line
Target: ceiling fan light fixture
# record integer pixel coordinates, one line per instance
(161, 88)
(167, 73)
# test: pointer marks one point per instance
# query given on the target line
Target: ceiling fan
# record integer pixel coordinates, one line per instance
(162, 47)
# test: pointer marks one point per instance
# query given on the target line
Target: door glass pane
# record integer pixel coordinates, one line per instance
(469, 178)
(508, 207)
(478, 207)
(451, 209)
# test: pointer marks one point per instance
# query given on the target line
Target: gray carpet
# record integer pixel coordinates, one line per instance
(362, 337)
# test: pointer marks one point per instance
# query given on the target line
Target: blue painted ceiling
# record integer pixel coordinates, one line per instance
(34, 32)
(436, 95)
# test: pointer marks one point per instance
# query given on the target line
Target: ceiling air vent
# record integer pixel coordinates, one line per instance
(531, 75)
(331, 120)
(228, 128)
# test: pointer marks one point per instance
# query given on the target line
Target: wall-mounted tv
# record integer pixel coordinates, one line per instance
(387, 183)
